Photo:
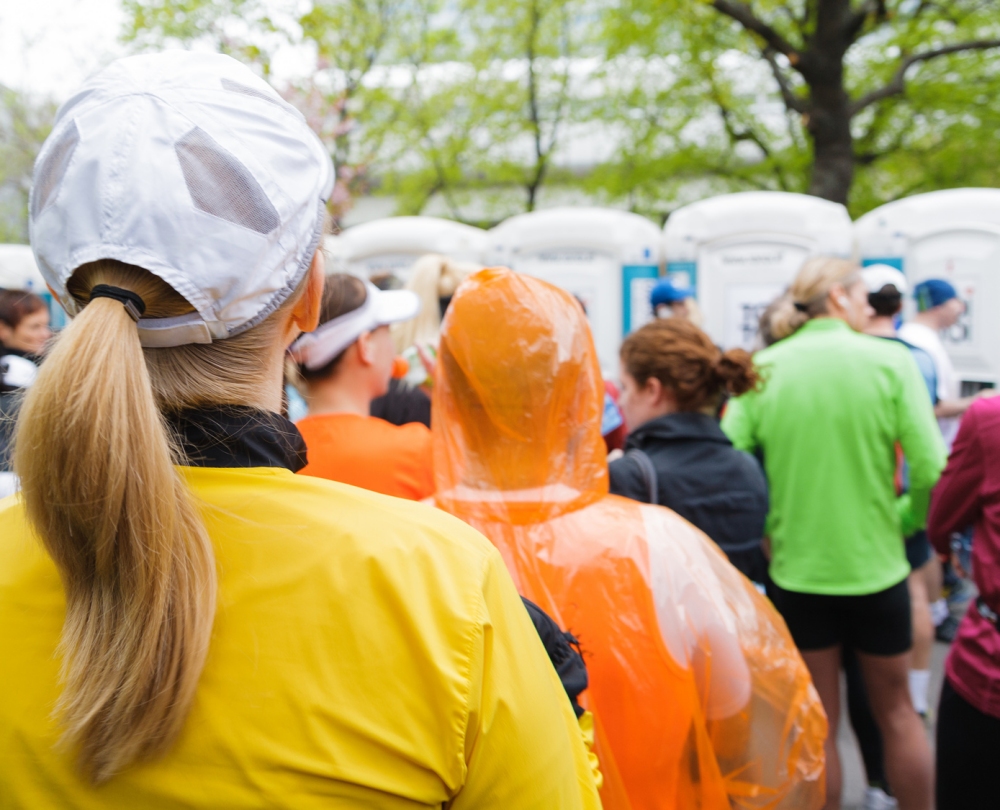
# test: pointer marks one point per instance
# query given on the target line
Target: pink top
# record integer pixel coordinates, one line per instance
(969, 494)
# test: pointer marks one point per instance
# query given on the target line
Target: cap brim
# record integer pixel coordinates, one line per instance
(876, 276)
(393, 306)
(679, 295)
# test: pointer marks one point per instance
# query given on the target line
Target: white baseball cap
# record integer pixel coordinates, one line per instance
(190, 166)
(380, 308)
(876, 276)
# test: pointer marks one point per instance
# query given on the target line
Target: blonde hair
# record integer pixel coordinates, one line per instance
(98, 480)
(695, 315)
(807, 296)
(434, 277)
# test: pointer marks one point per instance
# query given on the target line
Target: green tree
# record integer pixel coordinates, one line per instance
(358, 47)
(813, 94)
(419, 98)
(486, 126)
(24, 125)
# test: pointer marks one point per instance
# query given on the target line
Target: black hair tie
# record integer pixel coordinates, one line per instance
(133, 303)
(801, 307)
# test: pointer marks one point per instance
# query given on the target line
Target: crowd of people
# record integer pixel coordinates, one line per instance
(479, 576)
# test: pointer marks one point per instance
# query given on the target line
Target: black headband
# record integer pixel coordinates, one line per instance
(801, 307)
(133, 303)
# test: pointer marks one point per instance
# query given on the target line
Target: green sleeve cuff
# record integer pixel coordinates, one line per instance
(912, 508)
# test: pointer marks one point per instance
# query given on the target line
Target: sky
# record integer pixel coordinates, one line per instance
(48, 47)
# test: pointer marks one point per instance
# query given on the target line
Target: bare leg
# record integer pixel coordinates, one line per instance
(923, 626)
(908, 761)
(824, 666)
(933, 576)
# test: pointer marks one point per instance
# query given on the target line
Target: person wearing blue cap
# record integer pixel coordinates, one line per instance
(939, 308)
(669, 300)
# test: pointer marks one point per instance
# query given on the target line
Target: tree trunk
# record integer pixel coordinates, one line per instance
(829, 123)
(833, 146)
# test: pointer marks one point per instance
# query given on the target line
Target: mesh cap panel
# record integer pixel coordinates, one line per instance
(51, 172)
(222, 186)
(236, 87)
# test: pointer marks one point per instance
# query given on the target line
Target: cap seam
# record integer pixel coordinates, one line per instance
(282, 295)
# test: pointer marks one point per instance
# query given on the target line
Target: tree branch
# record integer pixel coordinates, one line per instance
(897, 84)
(747, 134)
(743, 14)
(792, 101)
(856, 21)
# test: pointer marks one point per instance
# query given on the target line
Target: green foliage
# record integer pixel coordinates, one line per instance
(934, 133)
(422, 99)
(239, 28)
(24, 125)
(942, 134)
(475, 108)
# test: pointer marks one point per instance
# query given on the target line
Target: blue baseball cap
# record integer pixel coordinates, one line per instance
(933, 293)
(665, 292)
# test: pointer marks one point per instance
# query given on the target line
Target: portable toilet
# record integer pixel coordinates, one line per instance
(738, 252)
(954, 235)
(608, 259)
(18, 271)
(389, 247)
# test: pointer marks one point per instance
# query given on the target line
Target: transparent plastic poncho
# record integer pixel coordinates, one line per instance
(699, 696)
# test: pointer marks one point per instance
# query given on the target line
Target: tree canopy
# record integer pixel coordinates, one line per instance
(857, 101)
(24, 125)
(478, 107)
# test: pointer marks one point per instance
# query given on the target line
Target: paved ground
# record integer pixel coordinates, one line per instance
(854, 779)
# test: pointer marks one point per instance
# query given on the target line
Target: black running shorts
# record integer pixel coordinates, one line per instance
(875, 623)
(918, 550)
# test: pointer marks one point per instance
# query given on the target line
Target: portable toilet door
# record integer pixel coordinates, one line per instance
(389, 247)
(741, 251)
(18, 271)
(954, 235)
(608, 259)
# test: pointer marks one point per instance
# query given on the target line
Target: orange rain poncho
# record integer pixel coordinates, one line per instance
(699, 695)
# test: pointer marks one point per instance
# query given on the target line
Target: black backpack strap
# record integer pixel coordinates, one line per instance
(648, 473)
(564, 652)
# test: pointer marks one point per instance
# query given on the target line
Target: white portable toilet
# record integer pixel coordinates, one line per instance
(954, 235)
(740, 251)
(391, 246)
(18, 271)
(608, 259)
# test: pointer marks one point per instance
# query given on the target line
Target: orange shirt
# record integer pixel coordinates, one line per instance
(370, 453)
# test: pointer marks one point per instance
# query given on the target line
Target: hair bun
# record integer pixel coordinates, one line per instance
(736, 370)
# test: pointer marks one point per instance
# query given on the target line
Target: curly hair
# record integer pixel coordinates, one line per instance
(684, 359)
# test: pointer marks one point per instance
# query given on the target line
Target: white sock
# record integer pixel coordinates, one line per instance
(939, 611)
(920, 680)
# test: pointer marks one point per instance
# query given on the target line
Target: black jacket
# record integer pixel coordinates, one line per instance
(701, 476)
(10, 403)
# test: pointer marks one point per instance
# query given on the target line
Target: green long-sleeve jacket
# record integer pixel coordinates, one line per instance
(827, 419)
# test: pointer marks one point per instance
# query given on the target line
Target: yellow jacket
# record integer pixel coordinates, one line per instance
(367, 652)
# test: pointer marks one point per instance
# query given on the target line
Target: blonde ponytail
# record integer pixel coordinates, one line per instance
(98, 480)
(806, 298)
(783, 320)
(433, 277)
(96, 464)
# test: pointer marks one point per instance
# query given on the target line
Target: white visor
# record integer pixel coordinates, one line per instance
(381, 308)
